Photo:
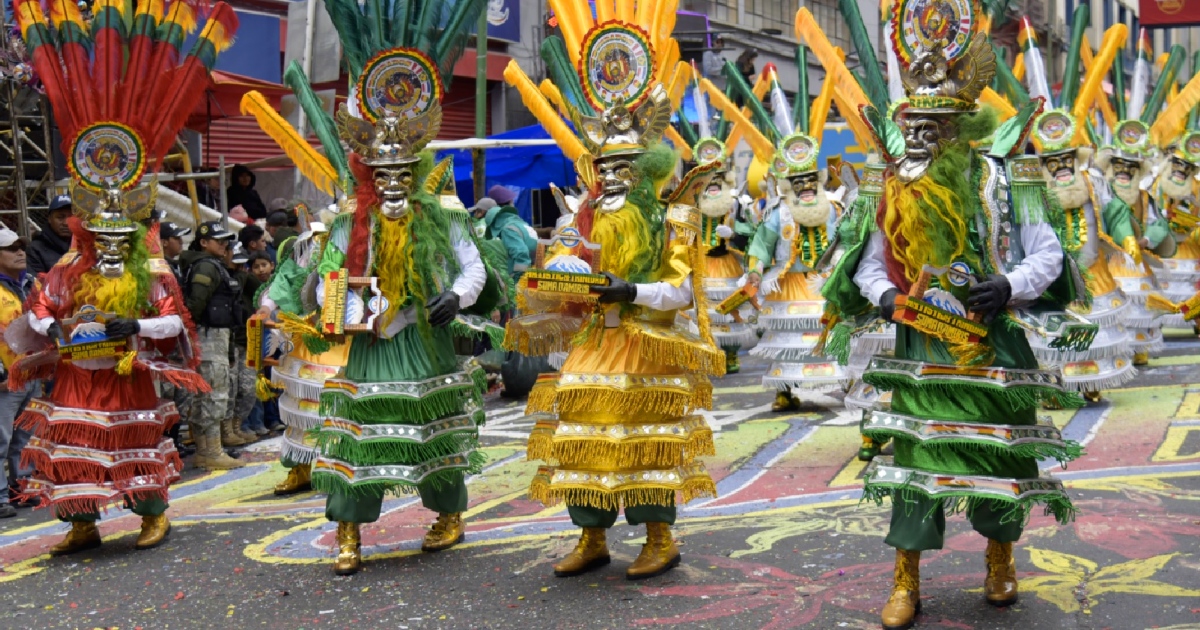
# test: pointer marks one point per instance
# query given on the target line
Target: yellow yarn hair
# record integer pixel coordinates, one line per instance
(624, 235)
(394, 263)
(910, 214)
(108, 295)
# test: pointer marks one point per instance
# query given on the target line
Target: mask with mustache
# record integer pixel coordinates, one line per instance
(717, 198)
(1122, 176)
(1063, 179)
(806, 200)
(393, 186)
(1177, 182)
(924, 138)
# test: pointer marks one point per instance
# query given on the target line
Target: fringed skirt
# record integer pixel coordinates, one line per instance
(405, 414)
(98, 440)
(1179, 277)
(1137, 283)
(722, 274)
(302, 375)
(964, 435)
(617, 428)
(1108, 362)
(792, 315)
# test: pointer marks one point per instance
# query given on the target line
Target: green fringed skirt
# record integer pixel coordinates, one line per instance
(405, 413)
(964, 435)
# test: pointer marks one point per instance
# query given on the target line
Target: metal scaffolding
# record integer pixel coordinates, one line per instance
(26, 154)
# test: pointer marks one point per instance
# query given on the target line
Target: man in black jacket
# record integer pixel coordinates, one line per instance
(55, 238)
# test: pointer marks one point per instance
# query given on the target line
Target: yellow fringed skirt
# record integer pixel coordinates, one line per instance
(617, 428)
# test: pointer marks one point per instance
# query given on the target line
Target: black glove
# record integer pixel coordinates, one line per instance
(617, 290)
(442, 309)
(989, 297)
(54, 331)
(887, 303)
(122, 327)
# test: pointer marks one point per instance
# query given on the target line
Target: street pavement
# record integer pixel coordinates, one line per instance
(786, 545)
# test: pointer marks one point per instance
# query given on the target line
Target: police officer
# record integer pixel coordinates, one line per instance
(214, 299)
(171, 237)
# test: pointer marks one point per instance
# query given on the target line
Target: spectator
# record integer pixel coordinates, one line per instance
(241, 193)
(745, 66)
(503, 222)
(171, 236)
(214, 298)
(238, 213)
(55, 238)
(253, 239)
(261, 267)
(280, 230)
(15, 283)
(713, 62)
(242, 379)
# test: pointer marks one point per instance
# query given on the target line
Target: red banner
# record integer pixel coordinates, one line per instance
(1169, 12)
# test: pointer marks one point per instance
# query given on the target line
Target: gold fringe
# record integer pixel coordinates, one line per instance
(668, 347)
(700, 299)
(972, 353)
(694, 487)
(539, 335)
(1158, 303)
(295, 325)
(600, 453)
(549, 397)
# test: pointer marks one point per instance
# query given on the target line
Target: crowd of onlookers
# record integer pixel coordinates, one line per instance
(220, 273)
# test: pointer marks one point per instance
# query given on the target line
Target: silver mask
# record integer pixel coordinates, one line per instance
(616, 178)
(923, 141)
(111, 252)
(393, 186)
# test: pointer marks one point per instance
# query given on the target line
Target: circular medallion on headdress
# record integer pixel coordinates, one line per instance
(1054, 130)
(920, 25)
(797, 154)
(709, 150)
(1132, 135)
(616, 65)
(1190, 147)
(107, 155)
(400, 81)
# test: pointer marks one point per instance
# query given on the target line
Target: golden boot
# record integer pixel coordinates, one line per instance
(784, 402)
(1141, 358)
(154, 531)
(83, 535)
(869, 449)
(447, 531)
(590, 553)
(299, 479)
(349, 558)
(1001, 583)
(900, 611)
(1091, 396)
(658, 556)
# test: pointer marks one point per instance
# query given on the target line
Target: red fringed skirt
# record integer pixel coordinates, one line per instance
(99, 438)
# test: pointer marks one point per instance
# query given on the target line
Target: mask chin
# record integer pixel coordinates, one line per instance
(911, 169)
(613, 200)
(394, 208)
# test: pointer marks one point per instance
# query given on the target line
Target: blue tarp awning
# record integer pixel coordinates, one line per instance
(523, 169)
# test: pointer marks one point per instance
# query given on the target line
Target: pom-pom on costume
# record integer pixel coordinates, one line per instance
(395, 273)
(1093, 226)
(951, 256)
(105, 318)
(617, 426)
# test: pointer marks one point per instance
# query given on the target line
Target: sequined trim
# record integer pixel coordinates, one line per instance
(408, 433)
(996, 376)
(165, 413)
(883, 472)
(391, 472)
(930, 431)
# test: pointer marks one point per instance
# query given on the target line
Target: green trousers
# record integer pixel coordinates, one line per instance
(920, 525)
(583, 516)
(150, 506)
(448, 498)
